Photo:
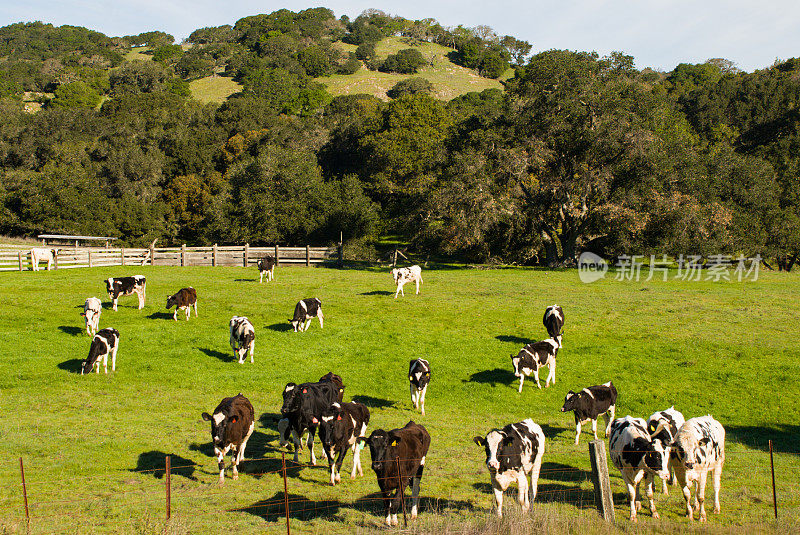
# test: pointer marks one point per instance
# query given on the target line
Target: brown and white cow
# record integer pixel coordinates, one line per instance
(185, 299)
(406, 274)
(123, 286)
(232, 424)
(105, 342)
(42, 254)
(91, 311)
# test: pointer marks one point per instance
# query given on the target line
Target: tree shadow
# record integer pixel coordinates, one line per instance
(300, 507)
(374, 403)
(74, 331)
(71, 365)
(224, 357)
(280, 327)
(155, 462)
(492, 377)
(785, 438)
(377, 292)
(513, 339)
(160, 316)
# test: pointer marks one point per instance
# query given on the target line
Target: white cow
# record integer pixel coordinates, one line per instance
(672, 420)
(91, 311)
(404, 275)
(42, 254)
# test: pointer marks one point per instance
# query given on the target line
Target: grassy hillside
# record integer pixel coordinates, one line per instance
(213, 89)
(449, 80)
(94, 446)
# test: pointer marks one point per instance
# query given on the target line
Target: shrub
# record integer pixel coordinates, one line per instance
(407, 61)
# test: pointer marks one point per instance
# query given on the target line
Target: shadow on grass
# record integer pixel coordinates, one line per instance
(160, 316)
(374, 403)
(545, 493)
(377, 292)
(492, 377)
(154, 462)
(74, 331)
(245, 280)
(785, 438)
(513, 339)
(273, 508)
(552, 432)
(269, 420)
(224, 357)
(280, 327)
(563, 472)
(71, 365)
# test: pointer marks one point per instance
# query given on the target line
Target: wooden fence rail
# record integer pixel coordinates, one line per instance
(17, 258)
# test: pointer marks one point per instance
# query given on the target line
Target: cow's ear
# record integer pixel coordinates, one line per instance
(206, 417)
(480, 441)
(234, 419)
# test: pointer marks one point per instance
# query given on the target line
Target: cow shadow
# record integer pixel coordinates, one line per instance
(563, 472)
(70, 329)
(245, 280)
(545, 493)
(551, 431)
(493, 377)
(301, 507)
(71, 365)
(513, 339)
(374, 403)
(269, 420)
(377, 292)
(154, 462)
(785, 438)
(374, 503)
(280, 327)
(224, 357)
(160, 316)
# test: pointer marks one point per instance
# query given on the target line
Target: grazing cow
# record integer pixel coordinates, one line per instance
(266, 266)
(699, 447)
(304, 311)
(302, 410)
(185, 299)
(104, 342)
(672, 420)
(589, 404)
(340, 426)
(534, 356)
(638, 454)
(91, 311)
(404, 275)
(419, 375)
(42, 254)
(231, 425)
(243, 338)
(410, 445)
(511, 454)
(553, 321)
(123, 286)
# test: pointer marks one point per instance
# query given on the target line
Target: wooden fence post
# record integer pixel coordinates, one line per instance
(603, 498)
(89, 255)
(25, 496)
(308, 256)
(153, 254)
(121, 256)
(285, 492)
(774, 494)
(167, 477)
(55, 258)
(246, 254)
(277, 256)
(183, 255)
(341, 254)
(20, 260)
(214, 256)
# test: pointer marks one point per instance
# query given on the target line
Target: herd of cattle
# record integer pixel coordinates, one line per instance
(665, 446)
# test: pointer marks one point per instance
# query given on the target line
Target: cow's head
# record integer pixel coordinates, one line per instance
(291, 399)
(331, 428)
(172, 300)
(110, 286)
(690, 449)
(502, 450)
(284, 432)
(570, 401)
(421, 375)
(220, 422)
(515, 363)
(381, 444)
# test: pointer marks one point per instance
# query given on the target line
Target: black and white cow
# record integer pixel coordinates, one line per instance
(534, 356)
(92, 309)
(639, 455)
(185, 299)
(589, 404)
(699, 447)
(232, 424)
(302, 410)
(123, 286)
(553, 321)
(672, 420)
(513, 453)
(419, 375)
(243, 338)
(105, 342)
(406, 274)
(304, 311)
(266, 266)
(42, 254)
(340, 426)
(410, 445)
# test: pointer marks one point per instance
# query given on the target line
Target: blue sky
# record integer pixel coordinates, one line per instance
(659, 34)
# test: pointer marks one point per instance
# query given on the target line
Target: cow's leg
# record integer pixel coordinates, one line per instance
(521, 380)
(310, 444)
(396, 291)
(648, 481)
(140, 295)
(522, 483)
(338, 465)
(537, 467)
(241, 353)
(413, 391)
(320, 317)
(631, 496)
(387, 499)
(701, 494)
(422, 399)
(498, 498)
(188, 310)
(114, 357)
(415, 489)
(609, 416)
(114, 303)
(717, 479)
(195, 309)
(685, 485)
(417, 281)
(577, 432)
(307, 324)
(536, 376)
(296, 442)
(551, 374)
(261, 280)
(221, 463)
(252, 348)
(239, 457)
(175, 314)
(105, 364)
(594, 428)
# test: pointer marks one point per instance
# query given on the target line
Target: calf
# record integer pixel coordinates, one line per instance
(638, 454)
(534, 356)
(302, 410)
(91, 311)
(340, 427)
(672, 420)
(231, 426)
(185, 299)
(589, 404)
(404, 275)
(511, 454)
(419, 375)
(104, 342)
(553, 321)
(304, 311)
(42, 254)
(698, 447)
(243, 338)
(398, 458)
(266, 266)
(126, 286)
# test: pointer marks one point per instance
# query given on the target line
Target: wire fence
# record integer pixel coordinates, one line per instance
(156, 501)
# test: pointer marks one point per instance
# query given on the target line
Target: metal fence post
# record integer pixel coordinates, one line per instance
(774, 494)
(167, 478)
(603, 498)
(25, 495)
(285, 492)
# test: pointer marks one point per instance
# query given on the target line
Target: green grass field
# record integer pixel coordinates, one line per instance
(94, 447)
(213, 89)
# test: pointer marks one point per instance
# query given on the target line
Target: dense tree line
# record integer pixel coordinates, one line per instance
(577, 152)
